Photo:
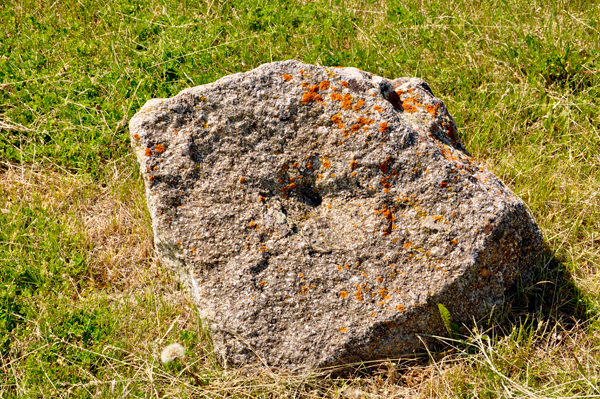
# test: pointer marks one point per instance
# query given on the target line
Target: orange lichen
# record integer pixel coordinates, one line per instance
(339, 268)
(407, 245)
(383, 127)
(288, 187)
(280, 180)
(304, 290)
(148, 152)
(347, 101)
(159, 148)
(362, 121)
(311, 96)
(353, 165)
(301, 72)
(451, 132)
(431, 110)
(136, 136)
(296, 165)
(336, 119)
(345, 133)
(358, 294)
(251, 224)
(409, 108)
(301, 275)
(377, 108)
(388, 215)
(443, 184)
(383, 167)
(383, 292)
(354, 128)
(342, 329)
(385, 182)
(344, 294)
(151, 178)
(336, 96)
(263, 283)
(324, 85)
(379, 279)
(344, 83)
(242, 180)
(400, 308)
(309, 166)
(454, 241)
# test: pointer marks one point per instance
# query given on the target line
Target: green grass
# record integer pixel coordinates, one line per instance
(85, 308)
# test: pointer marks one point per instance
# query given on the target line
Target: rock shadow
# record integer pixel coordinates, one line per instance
(550, 296)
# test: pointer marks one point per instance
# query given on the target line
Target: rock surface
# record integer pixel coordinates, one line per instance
(321, 214)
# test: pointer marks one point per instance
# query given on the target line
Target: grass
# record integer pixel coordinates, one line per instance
(85, 307)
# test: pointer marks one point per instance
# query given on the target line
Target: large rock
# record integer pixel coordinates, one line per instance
(321, 214)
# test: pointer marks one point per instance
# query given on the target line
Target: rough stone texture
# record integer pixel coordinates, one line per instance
(321, 214)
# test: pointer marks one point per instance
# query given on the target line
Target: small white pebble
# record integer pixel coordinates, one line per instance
(172, 352)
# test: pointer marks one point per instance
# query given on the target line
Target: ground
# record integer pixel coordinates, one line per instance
(85, 308)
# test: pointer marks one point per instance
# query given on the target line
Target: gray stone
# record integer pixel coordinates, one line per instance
(321, 214)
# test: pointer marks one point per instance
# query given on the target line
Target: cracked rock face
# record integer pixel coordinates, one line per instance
(320, 214)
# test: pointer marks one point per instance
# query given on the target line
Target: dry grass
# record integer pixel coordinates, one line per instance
(112, 217)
